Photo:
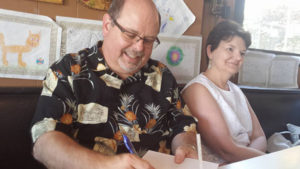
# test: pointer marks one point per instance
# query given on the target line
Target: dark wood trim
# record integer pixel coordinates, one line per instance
(275, 52)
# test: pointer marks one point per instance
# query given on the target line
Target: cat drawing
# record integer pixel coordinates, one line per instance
(32, 41)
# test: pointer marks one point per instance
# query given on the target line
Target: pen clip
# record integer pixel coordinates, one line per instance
(129, 145)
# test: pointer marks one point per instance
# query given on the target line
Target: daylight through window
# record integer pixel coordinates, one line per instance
(274, 24)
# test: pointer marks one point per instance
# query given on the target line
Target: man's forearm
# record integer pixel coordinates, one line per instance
(56, 150)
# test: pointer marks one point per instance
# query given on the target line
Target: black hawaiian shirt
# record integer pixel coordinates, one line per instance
(83, 98)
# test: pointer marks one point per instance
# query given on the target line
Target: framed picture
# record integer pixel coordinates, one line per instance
(97, 4)
(181, 55)
(52, 1)
(78, 33)
(176, 17)
(29, 44)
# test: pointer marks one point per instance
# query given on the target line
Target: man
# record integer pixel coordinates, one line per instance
(90, 99)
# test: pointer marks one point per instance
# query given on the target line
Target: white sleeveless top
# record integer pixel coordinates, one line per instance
(234, 109)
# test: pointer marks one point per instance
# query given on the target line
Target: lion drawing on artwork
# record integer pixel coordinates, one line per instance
(32, 41)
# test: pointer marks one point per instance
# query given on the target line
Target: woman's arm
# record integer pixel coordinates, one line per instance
(212, 125)
(258, 138)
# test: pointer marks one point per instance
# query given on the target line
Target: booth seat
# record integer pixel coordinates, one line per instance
(274, 108)
(17, 106)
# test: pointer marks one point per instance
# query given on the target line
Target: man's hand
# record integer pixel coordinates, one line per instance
(184, 146)
(126, 161)
(185, 151)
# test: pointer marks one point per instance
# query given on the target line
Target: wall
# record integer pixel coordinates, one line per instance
(74, 8)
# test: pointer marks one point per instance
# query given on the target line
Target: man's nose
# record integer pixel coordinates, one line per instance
(139, 44)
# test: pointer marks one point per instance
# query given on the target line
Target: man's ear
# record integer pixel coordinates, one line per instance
(208, 51)
(106, 24)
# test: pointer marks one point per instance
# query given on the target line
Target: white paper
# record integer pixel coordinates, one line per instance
(36, 55)
(189, 51)
(176, 17)
(165, 161)
(78, 33)
(199, 150)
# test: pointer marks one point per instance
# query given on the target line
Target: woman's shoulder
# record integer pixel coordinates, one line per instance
(199, 80)
(196, 90)
(234, 87)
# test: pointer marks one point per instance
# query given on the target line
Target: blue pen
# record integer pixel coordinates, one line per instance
(129, 145)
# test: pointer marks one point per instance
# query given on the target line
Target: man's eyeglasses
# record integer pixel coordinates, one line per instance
(131, 36)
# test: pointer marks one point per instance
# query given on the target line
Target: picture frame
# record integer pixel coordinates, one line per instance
(181, 55)
(31, 43)
(52, 1)
(78, 33)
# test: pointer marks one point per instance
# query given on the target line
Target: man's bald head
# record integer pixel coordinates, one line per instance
(117, 6)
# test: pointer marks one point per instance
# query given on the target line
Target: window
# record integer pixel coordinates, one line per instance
(274, 24)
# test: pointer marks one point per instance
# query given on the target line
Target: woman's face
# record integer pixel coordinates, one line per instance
(228, 56)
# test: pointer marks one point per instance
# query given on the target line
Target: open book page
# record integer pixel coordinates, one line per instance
(165, 161)
(255, 69)
(284, 72)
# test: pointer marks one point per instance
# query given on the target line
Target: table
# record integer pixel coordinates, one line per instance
(284, 159)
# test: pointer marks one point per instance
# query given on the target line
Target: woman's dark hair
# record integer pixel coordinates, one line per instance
(226, 30)
(116, 7)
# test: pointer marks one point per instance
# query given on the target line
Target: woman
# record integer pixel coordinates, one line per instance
(226, 121)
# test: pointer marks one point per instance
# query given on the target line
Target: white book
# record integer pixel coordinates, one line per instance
(165, 161)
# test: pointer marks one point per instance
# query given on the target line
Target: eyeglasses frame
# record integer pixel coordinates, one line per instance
(123, 30)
